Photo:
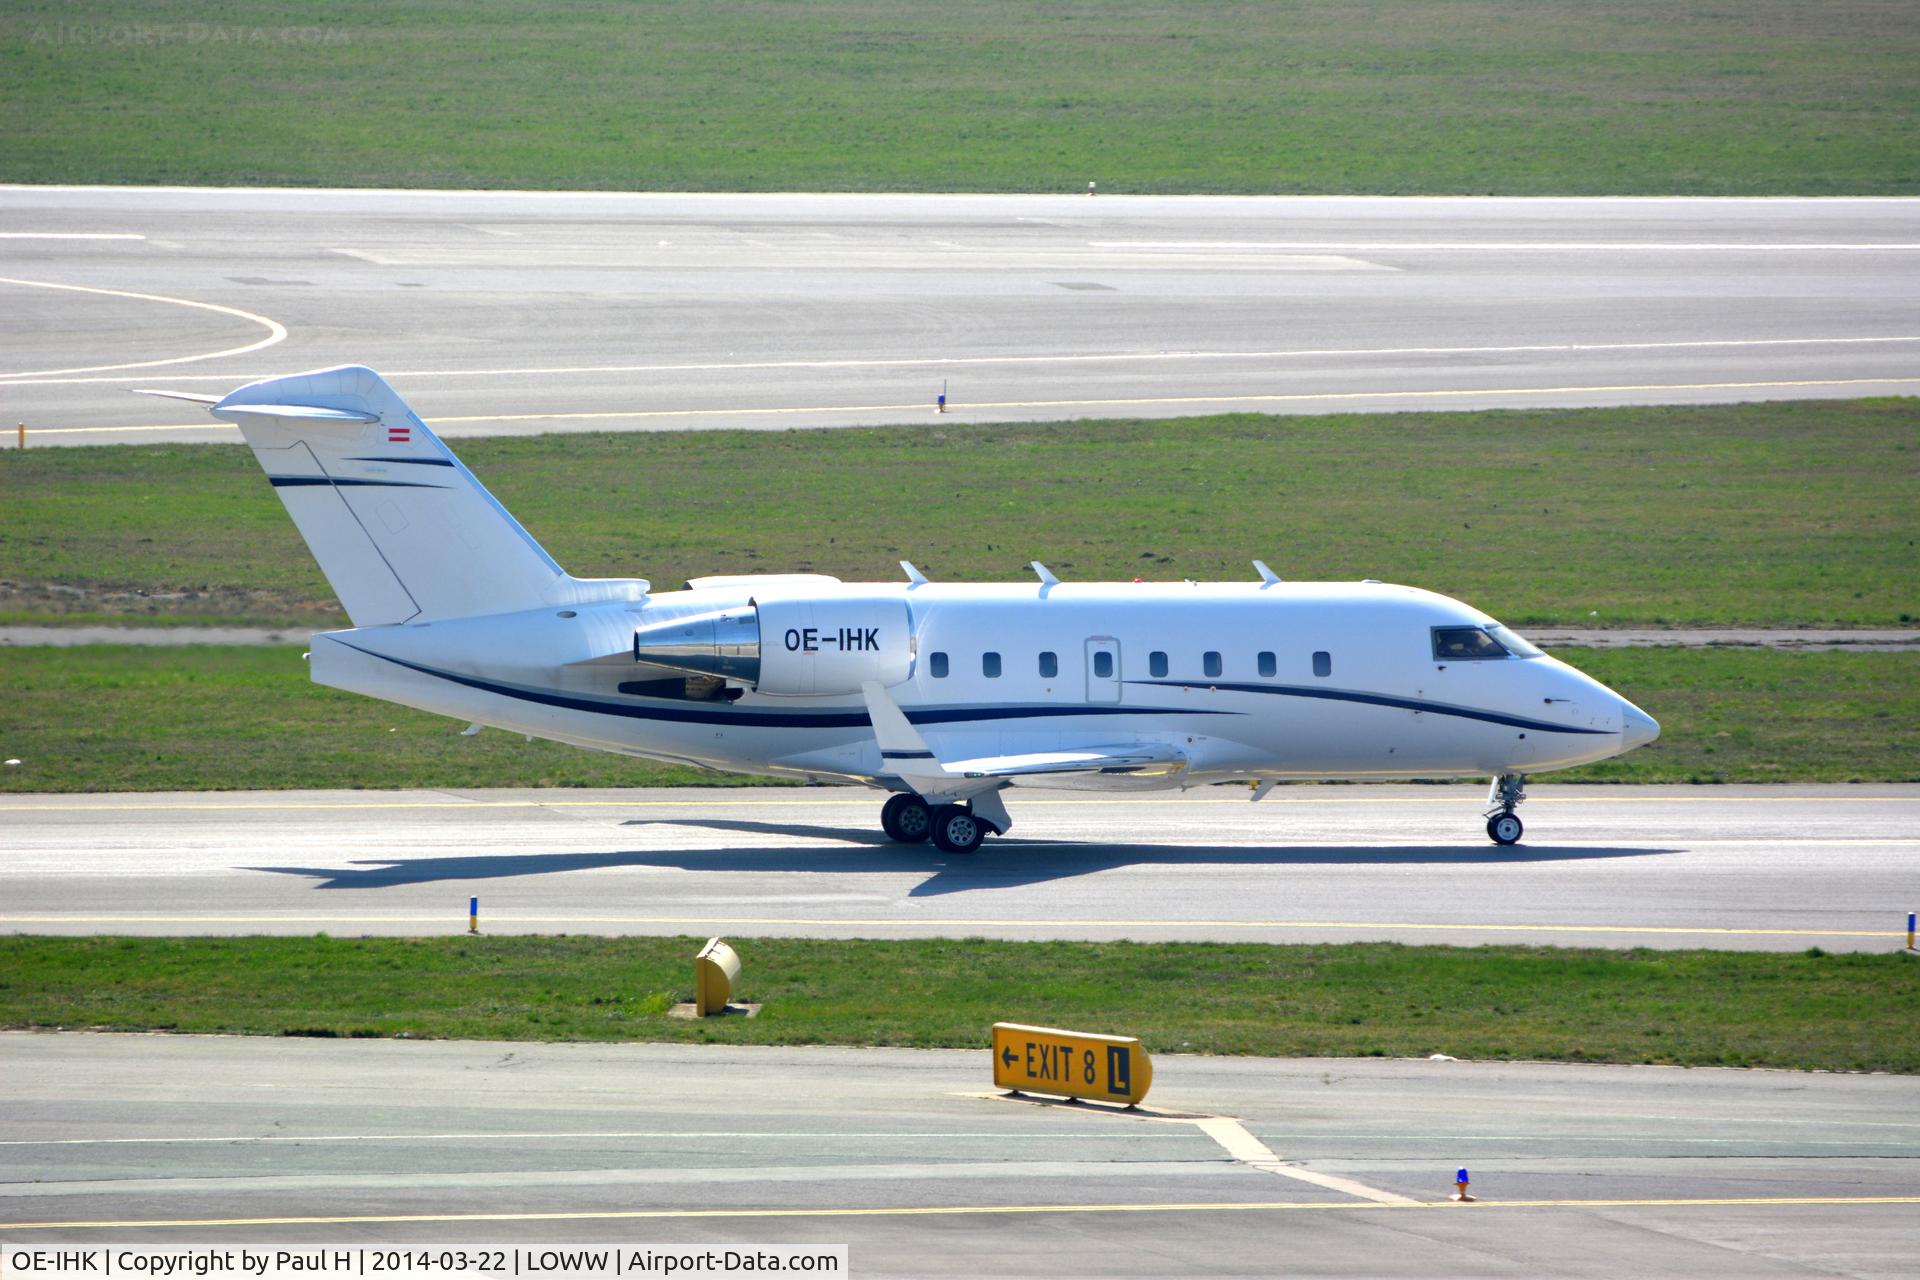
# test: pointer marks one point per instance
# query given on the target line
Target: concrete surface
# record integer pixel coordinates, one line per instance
(525, 312)
(1581, 1171)
(1753, 867)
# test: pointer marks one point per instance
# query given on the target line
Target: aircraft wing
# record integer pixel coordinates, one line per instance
(1136, 758)
(905, 754)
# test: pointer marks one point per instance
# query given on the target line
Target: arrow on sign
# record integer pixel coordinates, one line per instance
(1007, 1057)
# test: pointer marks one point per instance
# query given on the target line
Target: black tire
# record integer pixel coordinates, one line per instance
(1505, 828)
(906, 819)
(956, 830)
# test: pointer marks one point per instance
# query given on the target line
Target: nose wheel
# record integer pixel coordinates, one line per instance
(906, 819)
(1503, 797)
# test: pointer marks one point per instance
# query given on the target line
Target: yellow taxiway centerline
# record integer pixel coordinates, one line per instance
(720, 799)
(1114, 402)
(926, 1211)
(916, 922)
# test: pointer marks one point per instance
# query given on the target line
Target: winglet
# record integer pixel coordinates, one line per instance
(1267, 576)
(900, 743)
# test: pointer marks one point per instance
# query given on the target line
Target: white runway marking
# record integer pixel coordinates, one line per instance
(69, 235)
(276, 332)
(1498, 246)
(1255, 1154)
(945, 362)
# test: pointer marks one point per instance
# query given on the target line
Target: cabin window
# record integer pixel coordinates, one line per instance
(990, 665)
(1049, 665)
(1210, 663)
(937, 664)
(1464, 644)
(1157, 664)
(1269, 665)
(1322, 663)
(1103, 665)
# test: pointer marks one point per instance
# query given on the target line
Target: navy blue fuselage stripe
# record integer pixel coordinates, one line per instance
(299, 482)
(417, 462)
(906, 755)
(1377, 700)
(755, 717)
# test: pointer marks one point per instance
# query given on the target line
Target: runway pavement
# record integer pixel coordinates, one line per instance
(1311, 1167)
(527, 312)
(1775, 868)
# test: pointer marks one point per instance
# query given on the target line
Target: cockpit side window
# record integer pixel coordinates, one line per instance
(1465, 644)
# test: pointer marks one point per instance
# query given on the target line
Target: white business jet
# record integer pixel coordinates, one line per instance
(945, 694)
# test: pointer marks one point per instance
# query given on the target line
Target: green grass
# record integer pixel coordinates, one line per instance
(130, 718)
(242, 717)
(1762, 715)
(1402, 96)
(1768, 514)
(1698, 1008)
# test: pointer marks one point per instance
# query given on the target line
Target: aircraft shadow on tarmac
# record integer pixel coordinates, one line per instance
(1004, 863)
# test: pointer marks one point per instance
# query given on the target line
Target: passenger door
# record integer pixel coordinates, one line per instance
(1103, 669)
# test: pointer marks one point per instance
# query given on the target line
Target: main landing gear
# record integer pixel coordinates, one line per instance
(1503, 797)
(953, 828)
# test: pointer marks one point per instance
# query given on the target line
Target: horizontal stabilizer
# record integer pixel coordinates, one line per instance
(298, 412)
(402, 530)
(191, 396)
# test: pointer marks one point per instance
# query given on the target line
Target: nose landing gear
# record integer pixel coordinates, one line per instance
(1503, 797)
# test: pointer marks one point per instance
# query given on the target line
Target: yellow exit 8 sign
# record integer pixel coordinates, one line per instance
(1073, 1064)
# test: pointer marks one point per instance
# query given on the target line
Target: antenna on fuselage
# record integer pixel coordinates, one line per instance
(915, 578)
(1267, 576)
(1046, 575)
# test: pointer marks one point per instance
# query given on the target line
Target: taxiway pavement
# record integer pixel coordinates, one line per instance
(522, 312)
(1324, 1167)
(1782, 868)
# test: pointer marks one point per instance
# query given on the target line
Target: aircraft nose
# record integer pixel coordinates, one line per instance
(1637, 728)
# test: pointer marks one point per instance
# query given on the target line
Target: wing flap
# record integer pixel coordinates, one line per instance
(1145, 759)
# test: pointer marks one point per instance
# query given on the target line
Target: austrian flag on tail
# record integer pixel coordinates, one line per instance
(399, 433)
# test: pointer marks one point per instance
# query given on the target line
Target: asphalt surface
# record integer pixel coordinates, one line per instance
(533, 312)
(1863, 640)
(1343, 1167)
(1764, 868)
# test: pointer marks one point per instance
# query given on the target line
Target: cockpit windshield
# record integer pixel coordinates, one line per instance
(1462, 644)
(1472, 644)
(1516, 644)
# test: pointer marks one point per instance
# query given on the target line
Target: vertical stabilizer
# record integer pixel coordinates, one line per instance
(402, 530)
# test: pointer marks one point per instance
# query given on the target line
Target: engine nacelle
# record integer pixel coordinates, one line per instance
(799, 648)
